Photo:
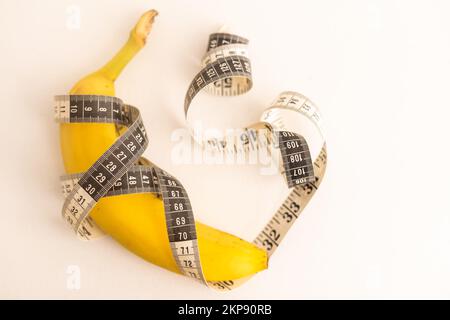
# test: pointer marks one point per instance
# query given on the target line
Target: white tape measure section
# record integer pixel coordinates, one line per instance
(292, 120)
(122, 170)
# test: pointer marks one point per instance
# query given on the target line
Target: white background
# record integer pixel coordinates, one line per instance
(379, 70)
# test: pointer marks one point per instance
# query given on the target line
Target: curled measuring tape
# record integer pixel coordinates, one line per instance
(227, 72)
(123, 170)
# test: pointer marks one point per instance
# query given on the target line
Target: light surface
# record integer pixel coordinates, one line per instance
(380, 73)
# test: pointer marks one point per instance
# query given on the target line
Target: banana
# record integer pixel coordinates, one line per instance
(137, 221)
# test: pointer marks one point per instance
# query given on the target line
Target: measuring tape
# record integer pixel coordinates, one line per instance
(123, 170)
(226, 71)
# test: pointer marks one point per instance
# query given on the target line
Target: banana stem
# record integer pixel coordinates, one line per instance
(136, 41)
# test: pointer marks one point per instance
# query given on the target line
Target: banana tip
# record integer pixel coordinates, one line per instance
(144, 25)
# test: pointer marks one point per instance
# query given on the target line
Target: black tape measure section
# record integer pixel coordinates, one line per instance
(176, 202)
(116, 172)
(221, 39)
(104, 173)
(180, 225)
(114, 163)
(291, 208)
(99, 109)
(138, 179)
(220, 76)
(296, 158)
(222, 68)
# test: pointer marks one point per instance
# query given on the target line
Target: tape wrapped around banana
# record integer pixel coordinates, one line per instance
(110, 189)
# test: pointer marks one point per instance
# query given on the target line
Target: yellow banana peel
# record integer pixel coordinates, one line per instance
(137, 221)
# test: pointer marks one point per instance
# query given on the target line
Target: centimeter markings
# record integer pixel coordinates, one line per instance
(278, 226)
(276, 229)
(296, 102)
(225, 61)
(90, 108)
(227, 71)
(296, 158)
(180, 226)
(283, 219)
(138, 179)
(228, 86)
(112, 165)
(222, 68)
(222, 39)
(116, 172)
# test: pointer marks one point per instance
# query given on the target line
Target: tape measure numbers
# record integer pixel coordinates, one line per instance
(116, 172)
(227, 72)
(123, 170)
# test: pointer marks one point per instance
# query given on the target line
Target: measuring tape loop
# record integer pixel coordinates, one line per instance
(122, 169)
(227, 72)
